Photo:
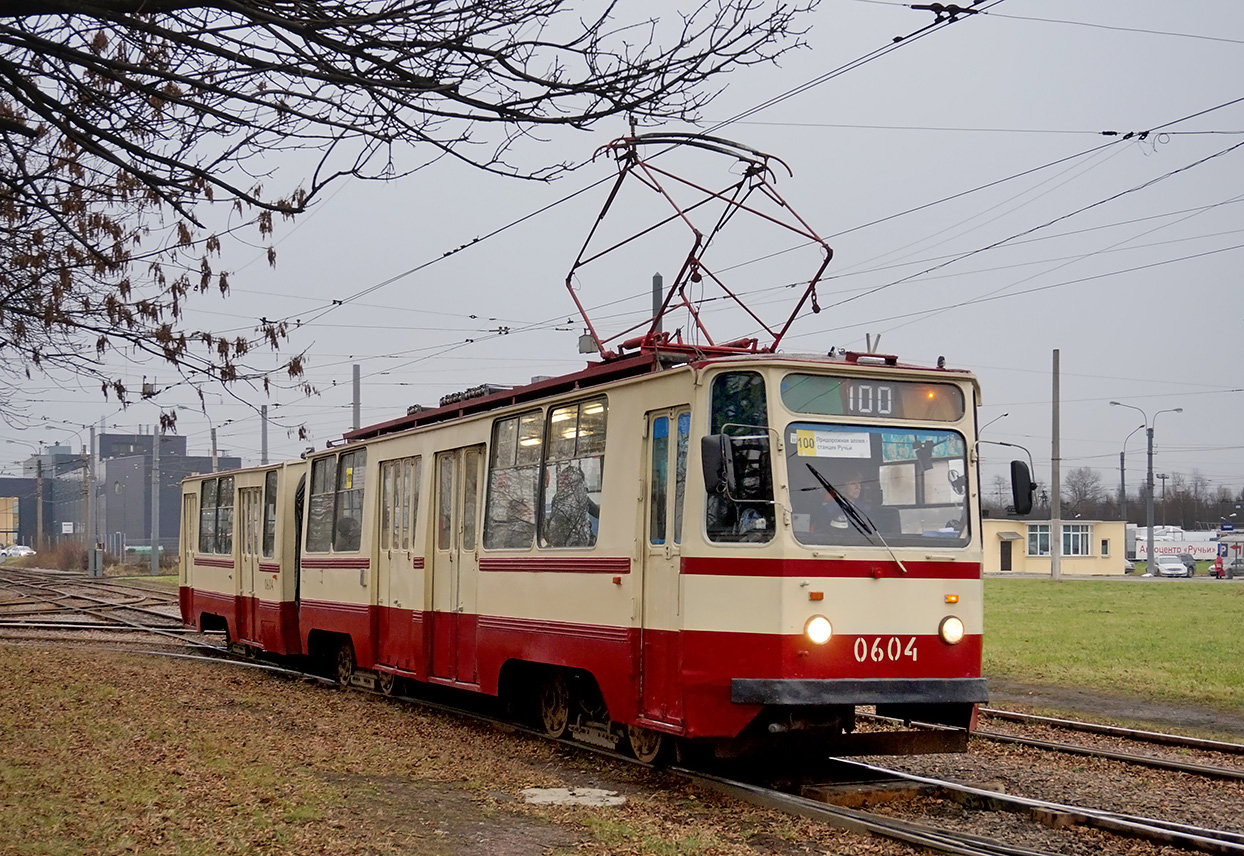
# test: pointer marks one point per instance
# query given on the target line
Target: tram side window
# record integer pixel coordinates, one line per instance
(681, 449)
(659, 478)
(269, 514)
(740, 410)
(513, 470)
(348, 525)
(224, 516)
(216, 515)
(207, 516)
(320, 511)
(399, 502)
(335, 515)
(573, 469)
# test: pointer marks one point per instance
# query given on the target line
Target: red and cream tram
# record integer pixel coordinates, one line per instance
(734, 550)
(714, 545)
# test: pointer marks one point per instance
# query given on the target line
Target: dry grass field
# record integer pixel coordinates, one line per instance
(106, 753)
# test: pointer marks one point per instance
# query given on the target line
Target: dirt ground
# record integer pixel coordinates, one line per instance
(109, 753)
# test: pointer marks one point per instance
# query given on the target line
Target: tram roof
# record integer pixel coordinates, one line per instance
(597, 373)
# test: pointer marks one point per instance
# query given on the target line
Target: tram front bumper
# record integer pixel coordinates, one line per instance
(853, 691)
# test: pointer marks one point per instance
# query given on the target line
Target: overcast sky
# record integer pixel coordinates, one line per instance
(1029, 230)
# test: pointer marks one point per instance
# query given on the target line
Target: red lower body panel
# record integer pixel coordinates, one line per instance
(701, 684)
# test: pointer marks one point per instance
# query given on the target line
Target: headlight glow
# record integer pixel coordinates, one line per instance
(818, 629)
(951, 630)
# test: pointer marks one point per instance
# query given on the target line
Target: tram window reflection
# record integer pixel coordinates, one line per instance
(573, 473)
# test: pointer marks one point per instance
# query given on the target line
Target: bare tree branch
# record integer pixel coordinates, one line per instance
(121, 119)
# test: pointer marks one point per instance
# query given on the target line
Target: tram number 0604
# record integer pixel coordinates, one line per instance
(883, 648)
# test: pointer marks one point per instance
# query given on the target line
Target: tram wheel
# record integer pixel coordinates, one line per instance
(646, 745)
(555, 704)
(345, 663)
(388, 683)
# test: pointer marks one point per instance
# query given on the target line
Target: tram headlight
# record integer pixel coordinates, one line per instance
(951, 630)
(818, 629)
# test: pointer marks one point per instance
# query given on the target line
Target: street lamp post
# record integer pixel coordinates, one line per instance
(1123, 475)
(1149, 561)
(1163, 477)
(212, 426)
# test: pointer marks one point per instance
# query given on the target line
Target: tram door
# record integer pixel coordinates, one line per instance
(189, 536)
(660, 641)
(401, 562)
(455, 563)
(251, 500)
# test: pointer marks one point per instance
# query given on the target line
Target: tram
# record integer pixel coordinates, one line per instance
(721, 548)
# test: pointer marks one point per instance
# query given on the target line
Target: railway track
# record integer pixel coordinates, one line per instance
(74, 609)
(1203, 748)
(1138, 735)
(50, 606)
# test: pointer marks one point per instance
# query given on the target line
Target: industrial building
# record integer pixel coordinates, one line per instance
(62, 492)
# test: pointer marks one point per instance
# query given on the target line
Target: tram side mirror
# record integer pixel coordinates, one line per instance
(717, 456)
(1022, 487)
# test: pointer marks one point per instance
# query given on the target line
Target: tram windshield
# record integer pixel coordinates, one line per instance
(867, 484)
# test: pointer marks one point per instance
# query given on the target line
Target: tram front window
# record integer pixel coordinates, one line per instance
(865, 485)
(745, 511)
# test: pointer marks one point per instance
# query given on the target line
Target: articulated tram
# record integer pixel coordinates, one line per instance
(731, 551)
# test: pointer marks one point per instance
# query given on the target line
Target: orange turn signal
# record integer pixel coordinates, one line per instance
(952, 598)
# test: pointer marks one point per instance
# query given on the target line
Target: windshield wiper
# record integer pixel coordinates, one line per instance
(858, 518)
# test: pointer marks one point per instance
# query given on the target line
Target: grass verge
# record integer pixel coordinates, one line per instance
(1181, 643)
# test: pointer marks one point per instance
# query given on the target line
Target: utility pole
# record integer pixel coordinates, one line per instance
(1123, 485)
(39, 545)
(94, 559)
(215, 460)
(155, 500)
(1056, 488)
(263, 434)
(84, 532)
(1151, 564)
(658, 294)
(1163, 477)
(358, 384)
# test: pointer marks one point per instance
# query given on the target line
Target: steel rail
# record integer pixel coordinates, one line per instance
(1177, 834)
(859, 821)
(5, 624)
(111, 617)
(1109, 754)
(132, 605)
(1152, 761)
(1118, 731)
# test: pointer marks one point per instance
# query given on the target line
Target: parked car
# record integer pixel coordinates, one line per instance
(18, 550)
(1172, 566)
(1189, 561)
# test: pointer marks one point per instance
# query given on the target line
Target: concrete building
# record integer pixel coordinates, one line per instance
(1095, 547)
(122, 492)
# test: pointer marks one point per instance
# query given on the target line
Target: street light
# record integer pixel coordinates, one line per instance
(211, 425)
(981, 430)
(36, 452)
(1149, 562)
(1123, 476)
